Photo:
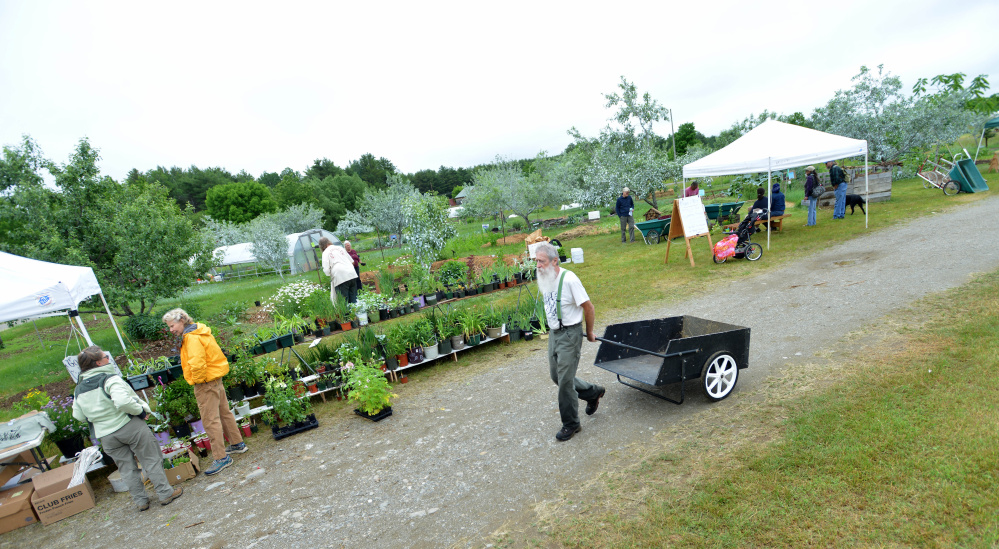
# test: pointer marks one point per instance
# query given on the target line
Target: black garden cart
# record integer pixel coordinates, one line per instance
(658, 352)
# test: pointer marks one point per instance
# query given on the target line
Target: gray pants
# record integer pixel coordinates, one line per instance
(627, 224)
(135, 441)
(563, 359)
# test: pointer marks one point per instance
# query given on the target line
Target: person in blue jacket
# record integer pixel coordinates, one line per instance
(625, 210)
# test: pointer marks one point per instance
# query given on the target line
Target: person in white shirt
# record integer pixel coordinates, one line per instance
(339, 266)
(567, 307)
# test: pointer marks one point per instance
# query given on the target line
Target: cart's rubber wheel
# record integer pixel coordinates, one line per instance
(652, 237)
(719, 375)
(951, 188)
(715, 257)
(754, 251)
(926, 183)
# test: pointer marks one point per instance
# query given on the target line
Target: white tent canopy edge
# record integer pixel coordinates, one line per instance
(775, 145)
(35, 289)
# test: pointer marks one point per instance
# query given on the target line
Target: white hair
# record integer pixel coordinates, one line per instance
(177, 315)
(550, 252)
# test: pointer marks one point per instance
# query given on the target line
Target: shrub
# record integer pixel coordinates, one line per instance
(453, 272)
(146, 326)
(517, 224)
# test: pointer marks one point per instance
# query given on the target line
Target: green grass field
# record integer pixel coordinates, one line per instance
(898, 450)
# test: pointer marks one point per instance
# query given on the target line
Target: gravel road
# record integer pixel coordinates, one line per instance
(473, 448)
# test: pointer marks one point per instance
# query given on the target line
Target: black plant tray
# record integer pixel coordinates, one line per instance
(283, 432)
(386, 412)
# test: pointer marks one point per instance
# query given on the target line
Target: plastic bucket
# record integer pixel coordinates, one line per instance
(118, 484)
(577, 255)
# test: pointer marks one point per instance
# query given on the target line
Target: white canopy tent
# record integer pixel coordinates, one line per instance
(773, 146)
(34, 289)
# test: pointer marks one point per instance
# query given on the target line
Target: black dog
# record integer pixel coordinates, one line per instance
(853, 200)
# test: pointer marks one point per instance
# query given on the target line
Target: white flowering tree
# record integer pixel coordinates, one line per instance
(505, 187)
(429, 226)
(624, 156)
(298, 218)
(270, 246)
(382, 210)
(892, 122)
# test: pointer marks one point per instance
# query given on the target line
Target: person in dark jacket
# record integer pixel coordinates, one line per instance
(761, 200)
(625, 210)
(357, 259)
(777, 203)
(837, 180)
(811, 180)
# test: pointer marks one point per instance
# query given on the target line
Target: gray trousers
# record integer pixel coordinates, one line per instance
(563, 358)
(627, 222)
(135, 441)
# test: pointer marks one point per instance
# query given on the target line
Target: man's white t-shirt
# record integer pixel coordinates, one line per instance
(573, 295)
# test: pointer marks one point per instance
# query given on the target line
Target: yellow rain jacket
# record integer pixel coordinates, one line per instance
(200, 356)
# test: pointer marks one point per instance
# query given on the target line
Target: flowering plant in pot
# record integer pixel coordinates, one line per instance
(286, 406)
(367, 386)
(69, 432)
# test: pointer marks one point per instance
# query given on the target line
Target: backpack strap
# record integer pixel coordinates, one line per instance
(90, 384)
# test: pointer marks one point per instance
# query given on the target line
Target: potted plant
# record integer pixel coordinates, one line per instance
(177, 401)
(288, 409)
(244, 426)
(471, 326)
(396, 346)
(69, 432)
(494, 323)
(427, 336)
(368, 387)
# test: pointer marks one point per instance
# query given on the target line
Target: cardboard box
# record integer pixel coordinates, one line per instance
(15, 508)
(184, 471)
(53, 500)
(8, 472)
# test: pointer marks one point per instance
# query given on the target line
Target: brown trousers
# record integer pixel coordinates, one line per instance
(216, 417)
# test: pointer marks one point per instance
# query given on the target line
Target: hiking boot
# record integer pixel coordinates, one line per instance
(591, 405)
(566, 433)
(144, 506)
(176, 494)
(218, 465)
(236, 448)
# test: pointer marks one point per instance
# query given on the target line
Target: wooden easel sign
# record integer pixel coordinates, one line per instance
(693, 223)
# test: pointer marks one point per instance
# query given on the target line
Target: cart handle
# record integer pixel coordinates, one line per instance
(646, 351)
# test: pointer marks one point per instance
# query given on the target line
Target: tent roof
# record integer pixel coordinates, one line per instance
(994, 123)
(775, 145)
(31, 288)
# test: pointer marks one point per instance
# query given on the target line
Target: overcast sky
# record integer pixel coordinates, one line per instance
(264, 86)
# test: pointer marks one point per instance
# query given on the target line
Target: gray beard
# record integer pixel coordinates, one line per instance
(547, 280)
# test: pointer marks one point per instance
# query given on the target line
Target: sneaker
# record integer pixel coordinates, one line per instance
(236, 448)
(144, 506)
(591, 405)
(218, 465)
(566, 433)
(176, 494)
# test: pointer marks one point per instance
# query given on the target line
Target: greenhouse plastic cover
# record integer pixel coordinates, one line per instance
(775, 146)
(30, 288)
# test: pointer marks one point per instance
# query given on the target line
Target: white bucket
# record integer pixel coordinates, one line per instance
(118, 484)
(577, 255)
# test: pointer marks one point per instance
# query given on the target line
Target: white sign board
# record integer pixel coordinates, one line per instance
(692, 215)
(594, 215)
(532, 248)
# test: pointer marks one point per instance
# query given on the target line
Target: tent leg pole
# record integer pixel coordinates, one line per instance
(37, 333)
(867, 193)
(115, 326)
(769, 202)
(83, 329)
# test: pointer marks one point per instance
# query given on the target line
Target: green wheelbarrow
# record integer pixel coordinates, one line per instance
(966, 174)
(654, 231)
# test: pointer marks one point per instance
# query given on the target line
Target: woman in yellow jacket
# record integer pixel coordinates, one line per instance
(204, 365)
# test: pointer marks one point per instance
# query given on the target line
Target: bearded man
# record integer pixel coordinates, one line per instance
(567, 306)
